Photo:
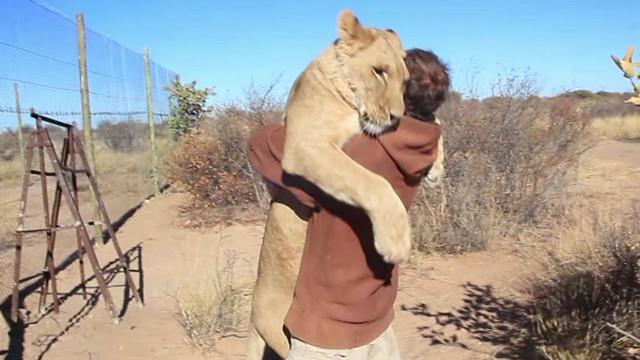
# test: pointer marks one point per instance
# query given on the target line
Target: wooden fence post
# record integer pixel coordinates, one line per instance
(152, 131)
(19, 115)
(86, 119)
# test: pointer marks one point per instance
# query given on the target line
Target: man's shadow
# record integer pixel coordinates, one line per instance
(485, 317)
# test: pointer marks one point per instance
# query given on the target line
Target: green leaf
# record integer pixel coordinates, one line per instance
(626, 64)
(635, 100)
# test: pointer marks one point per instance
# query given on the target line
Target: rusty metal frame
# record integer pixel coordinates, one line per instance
(63, 167)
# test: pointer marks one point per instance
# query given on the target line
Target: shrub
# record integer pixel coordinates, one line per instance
(613, 105)
(124, 136)
(10, 144)
(584, 295)
(9, 147)
(215, 175)
(213, 307)
(509, 160)
(212, 162)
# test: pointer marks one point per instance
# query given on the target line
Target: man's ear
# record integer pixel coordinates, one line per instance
(351, 32)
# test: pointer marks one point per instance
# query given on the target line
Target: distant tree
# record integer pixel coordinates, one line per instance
(123, 136)
(603, 93)
(188, 106)
(582, 94)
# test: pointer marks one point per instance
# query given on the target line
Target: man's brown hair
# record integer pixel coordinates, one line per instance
(427, 86)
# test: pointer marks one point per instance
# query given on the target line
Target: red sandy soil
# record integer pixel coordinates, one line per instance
(465, 292)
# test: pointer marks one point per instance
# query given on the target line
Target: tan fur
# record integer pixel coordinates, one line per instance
(339, 95)
(280, 256)
(354, 85)
(435, 176)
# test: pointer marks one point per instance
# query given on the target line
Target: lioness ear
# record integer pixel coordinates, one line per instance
(350, 29)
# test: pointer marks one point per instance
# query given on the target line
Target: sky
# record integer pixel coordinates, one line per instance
(230, 45)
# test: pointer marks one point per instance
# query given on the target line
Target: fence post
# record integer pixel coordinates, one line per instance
(86, 119)
(152, 131)
(19, 115)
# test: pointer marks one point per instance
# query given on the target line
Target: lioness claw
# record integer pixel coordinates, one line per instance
(392, 234)
(434, 177)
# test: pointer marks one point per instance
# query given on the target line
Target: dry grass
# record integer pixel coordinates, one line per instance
(8, 221)
(586, 280)
(122, 172)
(617, 127)
(585, 276)
(110, 162)
(11, 171)
(212, 303)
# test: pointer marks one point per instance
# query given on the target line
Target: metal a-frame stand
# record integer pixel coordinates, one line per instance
(65, 171)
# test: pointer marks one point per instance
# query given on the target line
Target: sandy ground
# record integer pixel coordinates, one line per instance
(461, 304)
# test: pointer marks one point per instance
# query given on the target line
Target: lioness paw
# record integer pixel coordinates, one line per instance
(435, 175)
(392, 233)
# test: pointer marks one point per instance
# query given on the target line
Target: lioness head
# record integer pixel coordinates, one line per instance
(372, 62)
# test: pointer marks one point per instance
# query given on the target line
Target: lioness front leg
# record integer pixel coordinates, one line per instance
(328, 167)
(435, 175)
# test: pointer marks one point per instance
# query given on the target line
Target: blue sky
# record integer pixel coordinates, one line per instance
(230, 44)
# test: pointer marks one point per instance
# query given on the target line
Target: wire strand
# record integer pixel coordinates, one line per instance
(51, 58)
(77, 113)
(54, 87)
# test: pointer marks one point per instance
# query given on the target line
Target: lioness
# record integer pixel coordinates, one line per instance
(278, 266)
(356, 84)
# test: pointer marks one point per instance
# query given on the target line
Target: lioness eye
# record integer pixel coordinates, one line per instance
(379, 71)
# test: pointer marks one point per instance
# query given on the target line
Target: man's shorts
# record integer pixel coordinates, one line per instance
(384, 347)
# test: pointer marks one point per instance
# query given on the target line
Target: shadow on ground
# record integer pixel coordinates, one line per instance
(16, 334)
(503, 323)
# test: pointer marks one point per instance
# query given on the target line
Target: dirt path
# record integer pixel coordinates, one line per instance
(460, 304)
(170, 254)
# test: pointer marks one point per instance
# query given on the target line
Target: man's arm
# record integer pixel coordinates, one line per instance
(413, 146)
(265, 149)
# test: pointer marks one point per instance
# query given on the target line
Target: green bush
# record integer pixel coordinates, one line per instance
(188, 106)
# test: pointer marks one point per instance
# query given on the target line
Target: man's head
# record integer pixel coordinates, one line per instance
(428, 83)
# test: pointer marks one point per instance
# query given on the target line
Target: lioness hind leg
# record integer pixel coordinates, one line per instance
(280, 256)
(267, 339)
(258, 348)
(256, 345)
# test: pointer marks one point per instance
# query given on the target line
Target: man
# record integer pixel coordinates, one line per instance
(344, 295)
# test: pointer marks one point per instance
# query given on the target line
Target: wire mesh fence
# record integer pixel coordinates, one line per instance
(40, 70)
